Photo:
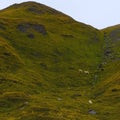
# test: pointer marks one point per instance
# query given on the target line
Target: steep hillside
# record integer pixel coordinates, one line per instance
(107, 91)
(52, 66)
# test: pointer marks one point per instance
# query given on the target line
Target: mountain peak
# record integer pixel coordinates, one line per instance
(29, 4)
(35, 8)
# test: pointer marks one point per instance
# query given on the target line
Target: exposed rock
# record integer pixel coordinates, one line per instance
(27, 26)
(108, 52)
(39, 28)
(114, 35)
(93, 112)
(100, 66)
(23, 27)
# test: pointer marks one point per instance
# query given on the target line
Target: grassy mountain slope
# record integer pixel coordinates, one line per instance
(107, 91)
(51, 67)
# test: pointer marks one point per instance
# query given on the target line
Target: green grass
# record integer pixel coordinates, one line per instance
(39, 72)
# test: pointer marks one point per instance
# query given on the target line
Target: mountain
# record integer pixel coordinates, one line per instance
(55, 68)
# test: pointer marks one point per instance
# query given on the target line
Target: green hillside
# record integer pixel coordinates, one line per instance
(55, 68)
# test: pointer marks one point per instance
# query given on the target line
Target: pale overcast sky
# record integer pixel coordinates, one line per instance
(98, 13)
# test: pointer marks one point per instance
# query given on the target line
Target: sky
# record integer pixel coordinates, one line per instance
(98, 13)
